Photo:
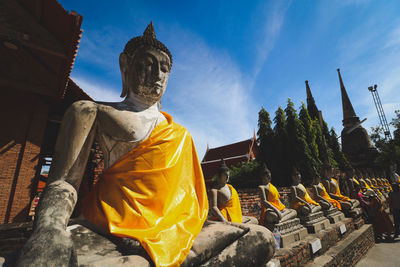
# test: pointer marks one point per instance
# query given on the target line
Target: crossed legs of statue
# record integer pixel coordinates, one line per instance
(305, 210)
(348, 205)
(217, 244)
(271, 217)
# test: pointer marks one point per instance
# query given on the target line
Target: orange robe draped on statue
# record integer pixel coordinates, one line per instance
(326, 196)
(273, 198)
(338, 194)
(155, 194)
(307, 198)
(232, 211)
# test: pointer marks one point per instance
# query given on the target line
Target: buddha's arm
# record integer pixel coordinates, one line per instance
(55, 208)
(265, 202)
(317, 193)
(296, 197)
(214, 206)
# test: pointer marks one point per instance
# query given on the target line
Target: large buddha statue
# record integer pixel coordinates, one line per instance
(273, 211)
(150, 205)
(301, 200)
(332, 187)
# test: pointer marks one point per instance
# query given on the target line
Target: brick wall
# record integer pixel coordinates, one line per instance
(23, 119)
(250, 200)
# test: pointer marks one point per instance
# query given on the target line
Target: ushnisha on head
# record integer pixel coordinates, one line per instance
(223, 173)
(145, 65)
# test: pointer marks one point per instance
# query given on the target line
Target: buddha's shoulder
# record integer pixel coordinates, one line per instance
(83, 107)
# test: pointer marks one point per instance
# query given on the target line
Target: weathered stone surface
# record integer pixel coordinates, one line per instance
(290, 231)
(315, 222)
(334, 215)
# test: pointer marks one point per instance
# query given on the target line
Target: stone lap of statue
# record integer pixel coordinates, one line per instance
(224, 200)
(301, 200)
(332, 187)
(323, 198)
(330, 206)
(152, 189)
(273, 211)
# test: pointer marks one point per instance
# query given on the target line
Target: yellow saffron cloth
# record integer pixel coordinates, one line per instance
(306, 197)
(273, 198)
(338, 194)
(326, 196)
(155, 194)
(232, 211)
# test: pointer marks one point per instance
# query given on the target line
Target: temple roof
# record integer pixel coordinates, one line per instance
(38, 45)
(233, 154)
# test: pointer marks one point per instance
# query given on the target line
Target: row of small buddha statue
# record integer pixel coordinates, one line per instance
(225, 203)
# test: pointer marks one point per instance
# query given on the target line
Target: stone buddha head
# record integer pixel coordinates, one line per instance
(296, 177)
(145, 65)
(265, 174)
(326, 171)
(222, 174)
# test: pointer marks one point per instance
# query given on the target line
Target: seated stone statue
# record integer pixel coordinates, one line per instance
(332, 187)
(323, 198)
(151, 200)
(224, 201)
(301, 200)
(272, 209)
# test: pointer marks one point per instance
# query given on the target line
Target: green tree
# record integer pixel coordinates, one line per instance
(338, 155)
(279, 166)
(265, 136)
(299, 154)
(396, 124)
(245, 175)
(310, 133)
(389, 150)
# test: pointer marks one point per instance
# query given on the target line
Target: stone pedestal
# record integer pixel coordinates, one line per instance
(290, 231)
(334, 215)
(315, 222)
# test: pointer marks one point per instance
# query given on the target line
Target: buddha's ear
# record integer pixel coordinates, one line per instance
(123, 65)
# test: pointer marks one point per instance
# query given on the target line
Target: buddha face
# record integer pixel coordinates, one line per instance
(266, 177)
(223, 177)
(145, 74)
(296, 178)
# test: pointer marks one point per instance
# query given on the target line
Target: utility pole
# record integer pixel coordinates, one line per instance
(381, 113)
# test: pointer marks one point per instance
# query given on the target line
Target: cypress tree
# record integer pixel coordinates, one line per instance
(338, 155)
(265, 137)
(325, 153)
(279, 166)
(310, 133)
(299, 154)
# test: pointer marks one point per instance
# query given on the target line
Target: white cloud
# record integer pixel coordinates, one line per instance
(274, 12)
(97, 91)
(208, 94)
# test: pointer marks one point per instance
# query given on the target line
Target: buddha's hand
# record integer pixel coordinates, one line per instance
(48, 247)
(279, 215)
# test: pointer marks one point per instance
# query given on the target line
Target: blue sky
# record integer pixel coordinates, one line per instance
(233, 57)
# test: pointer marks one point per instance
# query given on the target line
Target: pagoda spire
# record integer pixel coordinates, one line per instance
(311, 106)
(349, 115)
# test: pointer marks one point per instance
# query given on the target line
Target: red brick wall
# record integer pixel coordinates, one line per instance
(23, 119)
(250, 200)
